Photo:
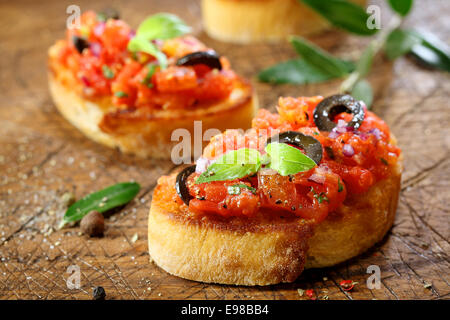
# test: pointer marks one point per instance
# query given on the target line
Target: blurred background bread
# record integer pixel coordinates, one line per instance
(246, 21)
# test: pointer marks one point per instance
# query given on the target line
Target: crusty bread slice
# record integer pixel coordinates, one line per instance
(266, 249)
(246, 21)
(149, 135)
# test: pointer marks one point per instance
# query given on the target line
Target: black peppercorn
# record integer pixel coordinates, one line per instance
(99, 293)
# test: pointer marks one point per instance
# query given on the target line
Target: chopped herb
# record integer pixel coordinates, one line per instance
(107, 72)
(321, 197)
(236, 189)
(384, 161)
(120, 94)
(148, 77)
(340, 186)
(316, 133)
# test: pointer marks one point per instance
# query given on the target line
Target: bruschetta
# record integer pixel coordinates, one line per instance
(246, 21)
(310, 186)
(133, 98)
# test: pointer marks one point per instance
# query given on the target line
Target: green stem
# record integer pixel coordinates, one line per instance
(376, 44)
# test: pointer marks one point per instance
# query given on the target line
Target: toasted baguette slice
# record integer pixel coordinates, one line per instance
(246, 21)
(149, 135)
(264, 250)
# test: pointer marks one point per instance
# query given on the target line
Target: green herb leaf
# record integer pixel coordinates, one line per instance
(107, 72)
(101, 201)
(340, 186)
(120, 94)
(142, 44)
(343, 14)
(159, 26)
(363, 91)
(151, 67)
(232, 165)
(288, 160)
(296, 71)
(235, 189)
(320, 59)
(402, 7)
(400, 42)
(162, 26)
(432, 51)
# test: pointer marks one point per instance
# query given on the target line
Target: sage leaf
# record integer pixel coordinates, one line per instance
(287, 160)
(232, 165)
(402, 7)
(431, 51)
(343, 14)
(400, 42)
(296, 71)
(320, 59)
(101, 201)
(363, 91)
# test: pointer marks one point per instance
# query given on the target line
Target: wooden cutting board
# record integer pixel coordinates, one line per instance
(42, 157)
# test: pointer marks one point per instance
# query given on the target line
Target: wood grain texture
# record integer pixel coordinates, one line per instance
(42, 157)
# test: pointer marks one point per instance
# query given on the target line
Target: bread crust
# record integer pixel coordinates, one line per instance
(146, 134)
(265, 250)
(246, 21)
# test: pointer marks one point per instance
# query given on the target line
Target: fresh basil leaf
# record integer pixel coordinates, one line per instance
(296, 71)
(120, 94)
(363, 91)
(235, 189)
(288, 160)
(432, 51)
(101, 201)
(232, 165)
(402, 7)
(162, 26)
(400, 42)
(321, 59)
(141, 44)
(107, 72)
(343, 14)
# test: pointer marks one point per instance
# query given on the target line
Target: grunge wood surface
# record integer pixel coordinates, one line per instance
(42, 157)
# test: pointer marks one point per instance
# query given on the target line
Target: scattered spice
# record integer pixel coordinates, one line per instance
(348, 285)
(310, 294)
(93, 224)
(427, 285)
(98, 293)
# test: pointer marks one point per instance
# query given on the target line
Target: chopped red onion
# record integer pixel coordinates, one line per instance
(96, 48)
(131, 34)
(85, 81)
(318, 178)
(376, 132)
(99, 29)
(333, 134)
(348, 150)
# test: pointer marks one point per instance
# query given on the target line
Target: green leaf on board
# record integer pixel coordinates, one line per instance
(101, 201)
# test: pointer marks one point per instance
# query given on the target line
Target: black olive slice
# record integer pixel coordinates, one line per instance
(329, 107)
(209, 58)
(180, 184)
(108, 13)
(312, 147)
(80, 43)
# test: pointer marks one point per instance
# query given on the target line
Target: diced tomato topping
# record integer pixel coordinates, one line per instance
(366, 158)
(176, 87)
